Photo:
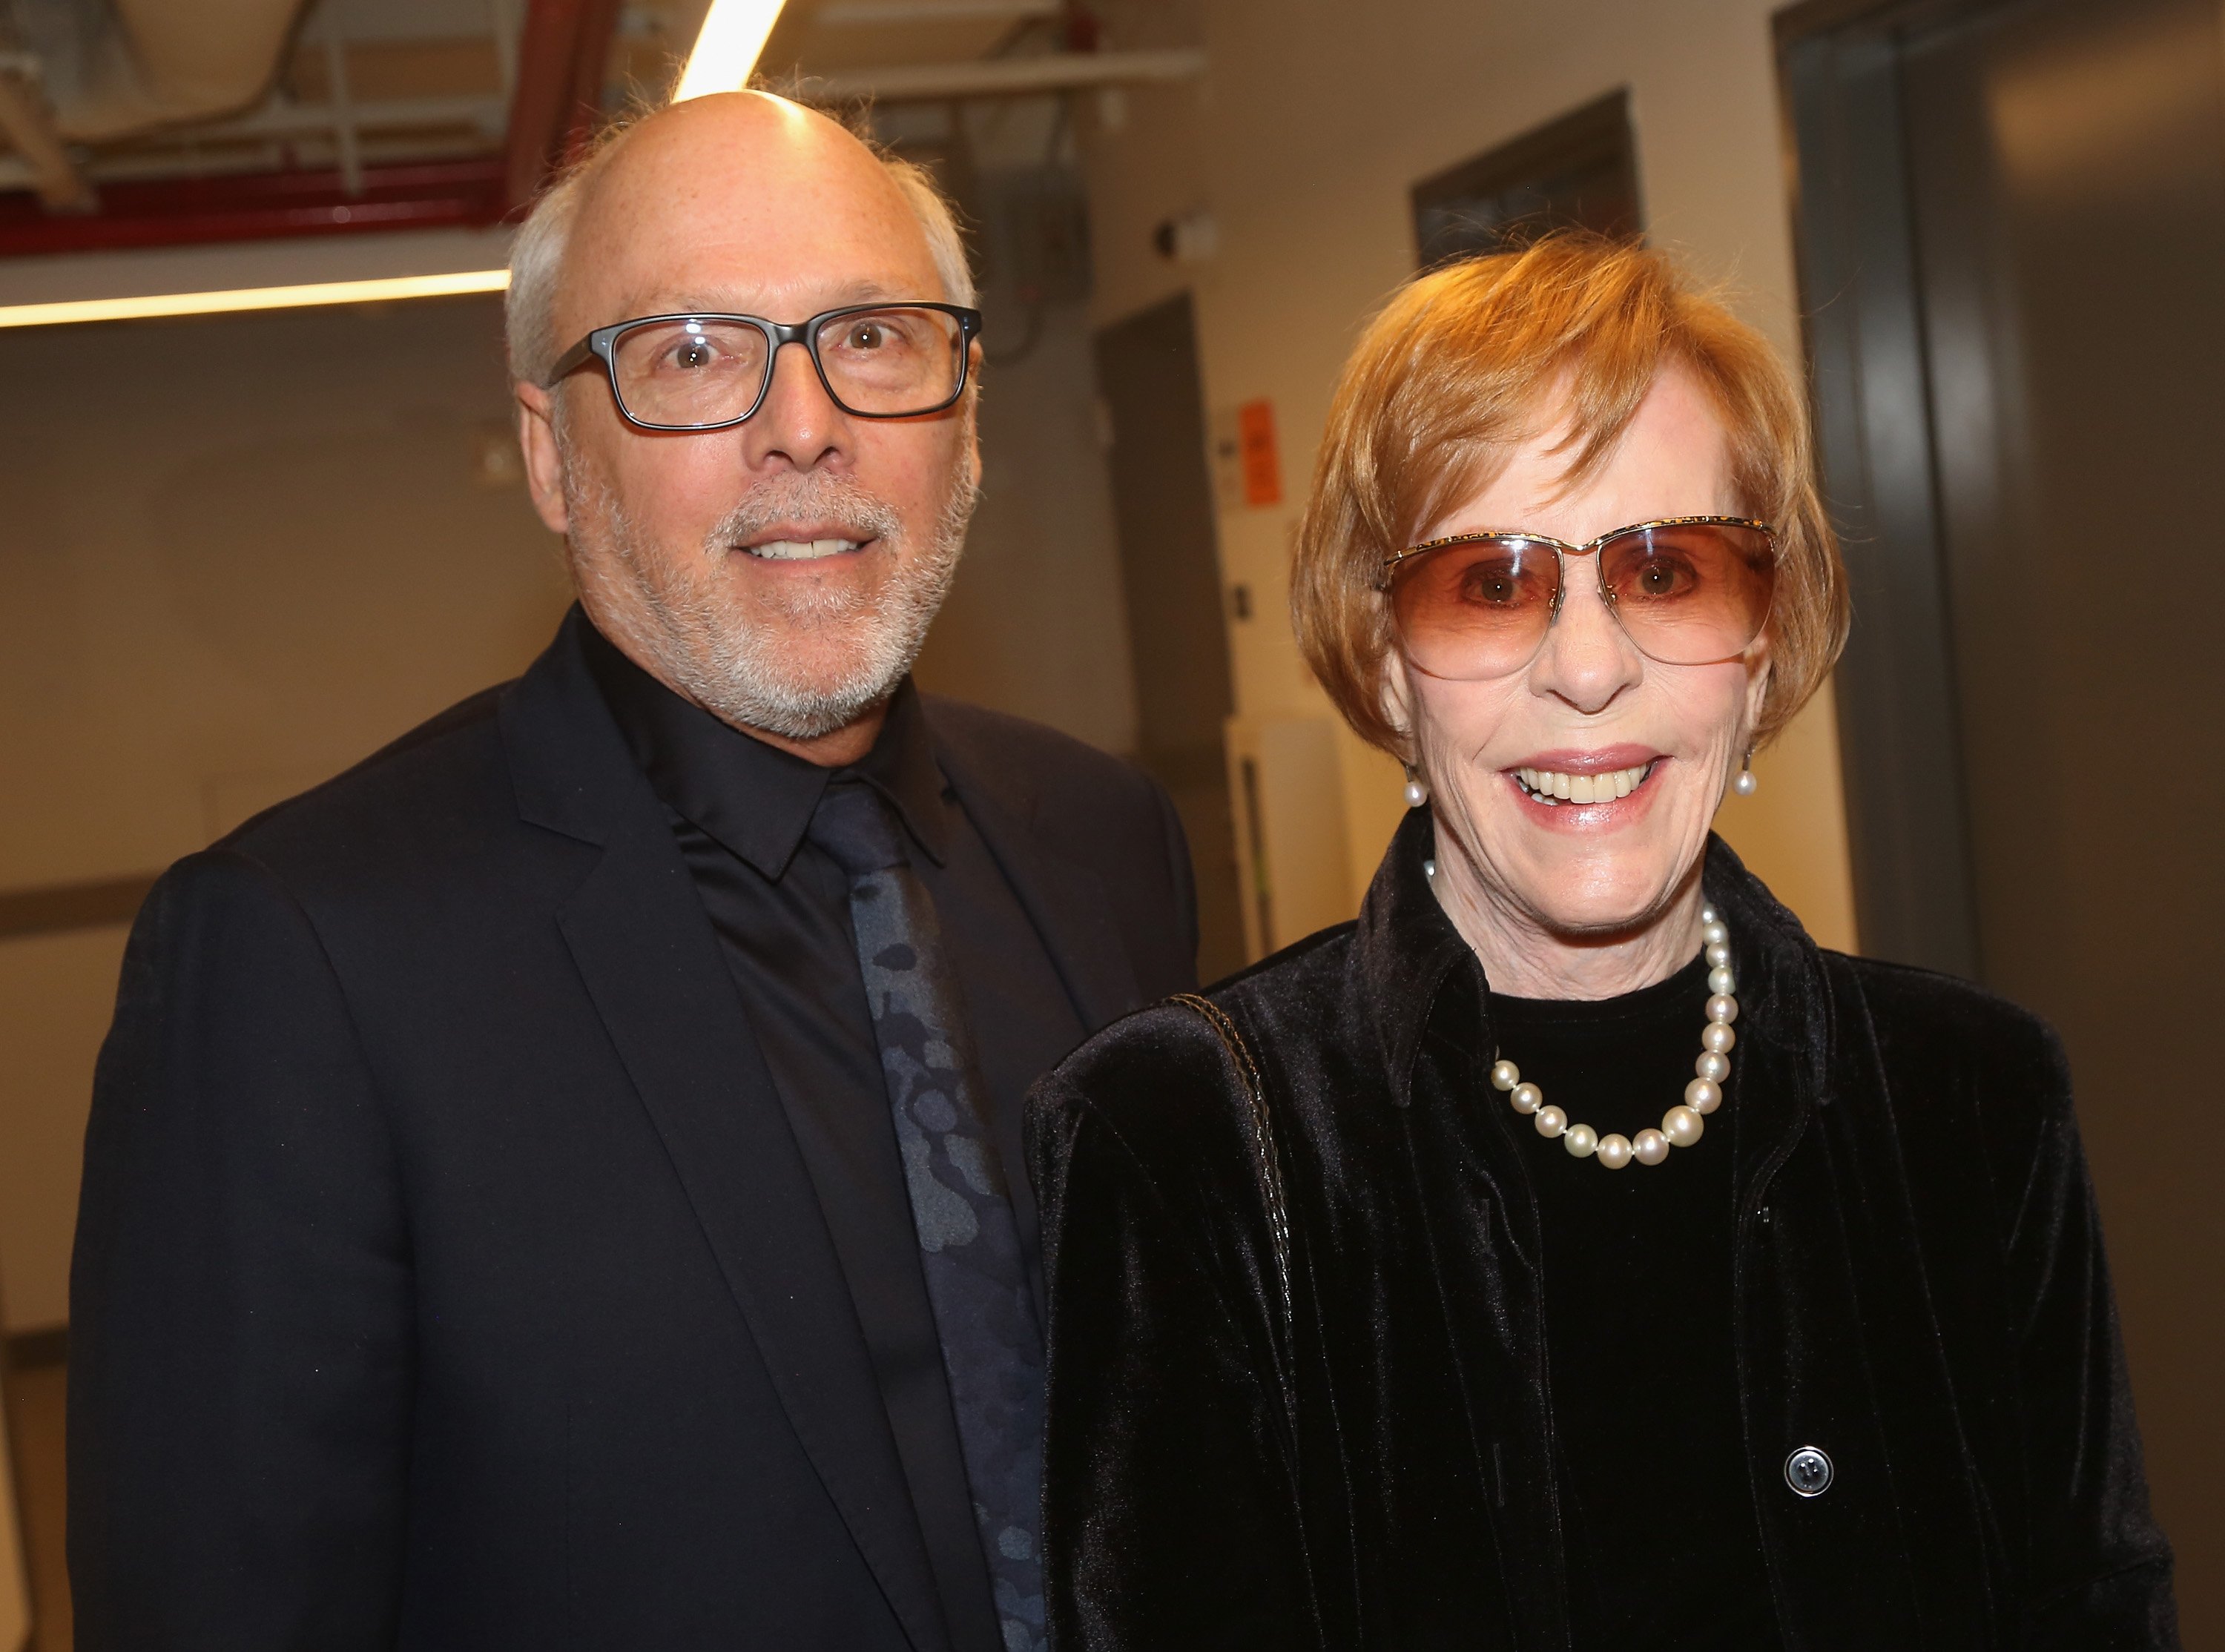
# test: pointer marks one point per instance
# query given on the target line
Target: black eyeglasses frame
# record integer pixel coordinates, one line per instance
(601, 345)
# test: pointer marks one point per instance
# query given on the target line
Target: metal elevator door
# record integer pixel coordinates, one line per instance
(2067, 169)
(2063, 241)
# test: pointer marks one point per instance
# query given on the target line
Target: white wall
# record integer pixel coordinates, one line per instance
(1312, 124)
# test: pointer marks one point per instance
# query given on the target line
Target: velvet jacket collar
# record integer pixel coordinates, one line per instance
(1926, 1305)
(1413, 966)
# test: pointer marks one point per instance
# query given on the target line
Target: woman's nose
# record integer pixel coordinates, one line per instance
(1587, 659)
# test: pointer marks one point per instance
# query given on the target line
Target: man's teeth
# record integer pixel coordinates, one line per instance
(1551, 786)
(801, 550)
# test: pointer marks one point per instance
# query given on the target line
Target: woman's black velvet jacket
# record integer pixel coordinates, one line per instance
(1920, 1289)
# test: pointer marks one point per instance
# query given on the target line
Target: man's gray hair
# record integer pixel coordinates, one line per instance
(537, 256)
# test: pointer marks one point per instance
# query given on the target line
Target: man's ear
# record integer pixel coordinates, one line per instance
(544, 465)
(974, 415)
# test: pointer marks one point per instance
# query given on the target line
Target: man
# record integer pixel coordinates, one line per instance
(557, 1184)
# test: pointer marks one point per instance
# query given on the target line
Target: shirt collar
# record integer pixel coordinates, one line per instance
(902, 765)
(753, 798)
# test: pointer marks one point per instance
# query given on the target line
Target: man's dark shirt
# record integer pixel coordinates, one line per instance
(780, 906)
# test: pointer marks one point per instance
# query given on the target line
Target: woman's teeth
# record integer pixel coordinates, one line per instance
(1551, 786)
(802, 550)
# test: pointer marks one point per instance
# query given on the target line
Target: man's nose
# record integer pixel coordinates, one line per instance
(797, 426)
(1587, 659)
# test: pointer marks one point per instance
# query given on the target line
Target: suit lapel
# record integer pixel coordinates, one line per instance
(1066, 902)
(651, 964)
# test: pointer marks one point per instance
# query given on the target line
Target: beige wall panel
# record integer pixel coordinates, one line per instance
(1312, 121)
(1301, 864)
(237, 554)
(1792, 831)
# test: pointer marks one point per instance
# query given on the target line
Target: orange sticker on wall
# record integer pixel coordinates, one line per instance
(1263, 472)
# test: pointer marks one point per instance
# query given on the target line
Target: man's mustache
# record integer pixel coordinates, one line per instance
(829, 501)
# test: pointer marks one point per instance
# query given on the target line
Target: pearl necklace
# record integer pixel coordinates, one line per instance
(1681, 1126)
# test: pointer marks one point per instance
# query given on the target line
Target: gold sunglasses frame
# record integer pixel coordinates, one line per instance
(1563, 548)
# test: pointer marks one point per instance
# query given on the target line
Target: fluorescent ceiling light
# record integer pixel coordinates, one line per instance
(733, 34)
(254, 297)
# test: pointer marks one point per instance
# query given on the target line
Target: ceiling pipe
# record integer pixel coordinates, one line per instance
(1005, 76)
(876, 14)
(165, 62)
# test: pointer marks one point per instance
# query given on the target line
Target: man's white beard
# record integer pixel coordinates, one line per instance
(742, 667)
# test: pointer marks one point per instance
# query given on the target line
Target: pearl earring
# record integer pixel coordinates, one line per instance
(1745, 785)
(1417, 793)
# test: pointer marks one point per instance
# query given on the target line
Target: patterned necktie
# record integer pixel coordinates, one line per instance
(977, 1281)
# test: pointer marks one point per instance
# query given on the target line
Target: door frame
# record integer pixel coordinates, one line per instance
(1854, 232)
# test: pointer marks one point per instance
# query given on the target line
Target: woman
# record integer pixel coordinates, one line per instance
(1570, 1252)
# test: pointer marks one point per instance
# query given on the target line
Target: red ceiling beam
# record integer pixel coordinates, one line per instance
(559, 87)
(261, 206)
(553, 112)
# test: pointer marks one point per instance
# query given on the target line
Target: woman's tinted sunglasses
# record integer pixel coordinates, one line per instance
(1686, 591)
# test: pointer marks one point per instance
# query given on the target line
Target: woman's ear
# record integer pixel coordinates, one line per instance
(1759, 664)
(1395, 698)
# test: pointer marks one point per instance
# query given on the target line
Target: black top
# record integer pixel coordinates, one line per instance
(1637, 1328)
(781, 908)
(1310, 1401)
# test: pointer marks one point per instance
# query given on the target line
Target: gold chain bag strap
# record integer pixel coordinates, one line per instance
(1264, 1164)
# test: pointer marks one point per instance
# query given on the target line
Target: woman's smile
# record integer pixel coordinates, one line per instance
(1585, 791)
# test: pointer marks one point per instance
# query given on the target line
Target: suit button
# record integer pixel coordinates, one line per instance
(1808, 1472)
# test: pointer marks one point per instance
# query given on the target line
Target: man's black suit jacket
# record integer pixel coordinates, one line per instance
(446, 1272)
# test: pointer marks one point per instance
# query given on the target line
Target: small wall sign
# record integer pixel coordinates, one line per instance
(1261, 468)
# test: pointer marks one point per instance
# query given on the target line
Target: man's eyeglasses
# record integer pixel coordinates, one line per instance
(705, 372)
(1688, 591)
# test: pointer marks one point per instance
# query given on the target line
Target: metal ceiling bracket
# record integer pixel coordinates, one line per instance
(30, 126)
